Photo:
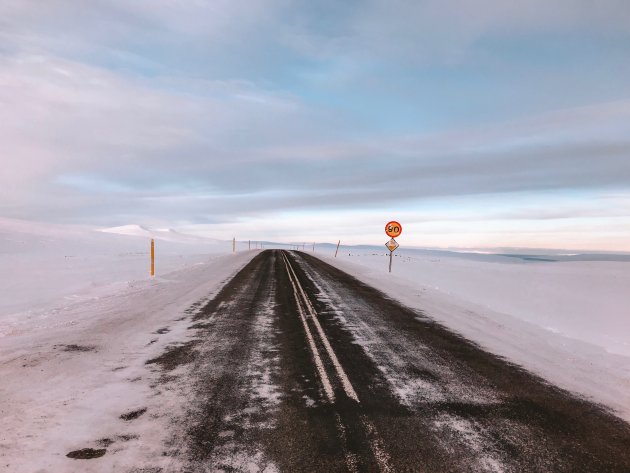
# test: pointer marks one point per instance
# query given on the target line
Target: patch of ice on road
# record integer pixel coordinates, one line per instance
(233, 459)
(410, 391)
(308, 400)
(264, 360)
(473, 438)
(237, 447)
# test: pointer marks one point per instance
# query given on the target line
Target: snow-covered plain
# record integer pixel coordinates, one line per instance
(79, 317)
(568, 320)
(45, 264)
(73, 371)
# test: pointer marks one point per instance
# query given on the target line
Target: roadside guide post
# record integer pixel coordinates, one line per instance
(152, 257)
(392, 229)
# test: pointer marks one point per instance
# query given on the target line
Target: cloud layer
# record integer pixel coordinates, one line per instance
(224, 113)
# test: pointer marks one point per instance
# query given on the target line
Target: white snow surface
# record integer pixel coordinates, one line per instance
(68, 373)
(568, 321)
(63, 286)
(44, 265)
(79, 317)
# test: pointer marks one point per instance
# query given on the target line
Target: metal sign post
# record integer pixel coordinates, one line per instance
(392, 229)
(391, 246)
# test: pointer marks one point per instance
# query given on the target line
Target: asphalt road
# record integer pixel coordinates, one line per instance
(296, 366)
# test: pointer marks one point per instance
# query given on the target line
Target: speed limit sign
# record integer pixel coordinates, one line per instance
(393, 229)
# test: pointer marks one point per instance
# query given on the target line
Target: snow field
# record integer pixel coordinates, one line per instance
(70, 376)
(55, 265)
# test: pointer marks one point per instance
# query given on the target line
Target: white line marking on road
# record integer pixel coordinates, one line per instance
(376, 442)
(343, 377)
(311, 342)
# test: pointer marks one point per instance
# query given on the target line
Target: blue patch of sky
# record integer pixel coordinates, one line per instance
(91, 183)
(502, 78)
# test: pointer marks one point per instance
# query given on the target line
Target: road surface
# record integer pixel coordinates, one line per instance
(296, 366)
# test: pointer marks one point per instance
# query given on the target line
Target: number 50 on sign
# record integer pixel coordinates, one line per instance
(393, 229)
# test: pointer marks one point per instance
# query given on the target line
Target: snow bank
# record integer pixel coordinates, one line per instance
(46, 264)
(567, 321)
(75, 377)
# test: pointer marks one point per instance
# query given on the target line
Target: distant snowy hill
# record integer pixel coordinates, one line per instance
(159, 234)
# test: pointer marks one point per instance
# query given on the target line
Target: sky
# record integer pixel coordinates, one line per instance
(475, 123)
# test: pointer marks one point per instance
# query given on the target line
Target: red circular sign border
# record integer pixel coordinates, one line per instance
(393, 222)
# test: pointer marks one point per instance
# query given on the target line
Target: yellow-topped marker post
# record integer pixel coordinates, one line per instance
(152, 257)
